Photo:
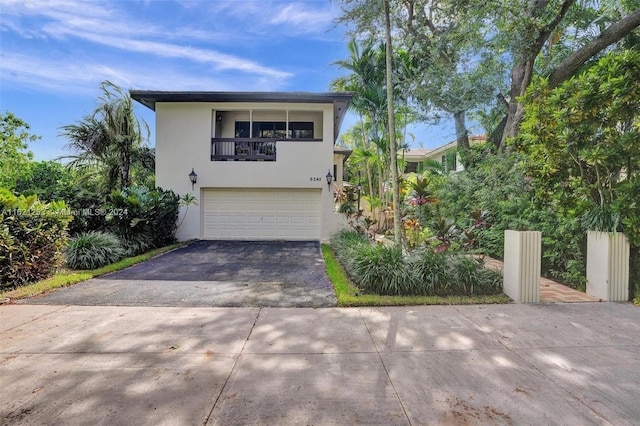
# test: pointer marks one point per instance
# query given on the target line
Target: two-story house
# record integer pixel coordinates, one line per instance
(262, 162)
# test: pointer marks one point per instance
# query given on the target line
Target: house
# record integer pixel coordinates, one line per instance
(445, 154)
(340, 156)
(262, 163)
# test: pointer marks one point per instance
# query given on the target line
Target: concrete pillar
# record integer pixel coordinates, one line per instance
(608, 266)
(522, 260)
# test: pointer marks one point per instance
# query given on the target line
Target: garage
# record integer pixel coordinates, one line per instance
(261, 214)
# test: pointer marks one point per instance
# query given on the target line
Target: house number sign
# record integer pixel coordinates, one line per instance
(315, 179)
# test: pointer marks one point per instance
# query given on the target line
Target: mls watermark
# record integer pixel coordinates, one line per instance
(84, 212)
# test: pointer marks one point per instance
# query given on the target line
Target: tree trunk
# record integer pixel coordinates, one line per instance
(521, 75)
(522, 70)
(462, 134)
(397, 236)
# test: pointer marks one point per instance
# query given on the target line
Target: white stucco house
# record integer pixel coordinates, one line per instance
(445, 154)
(263, 161)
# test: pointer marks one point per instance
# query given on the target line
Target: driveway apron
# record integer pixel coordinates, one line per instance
(213, 273)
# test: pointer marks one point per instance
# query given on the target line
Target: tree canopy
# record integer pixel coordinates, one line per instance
(14, 154)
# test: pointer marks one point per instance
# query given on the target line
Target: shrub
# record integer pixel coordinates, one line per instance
(468, 276)
(344, 244)
(348, 208)
(388, 271)
(383, 270)
(32, 236)
(143, 218)
(92, 250)
(432, 270)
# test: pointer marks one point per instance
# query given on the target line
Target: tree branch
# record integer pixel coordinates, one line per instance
(614, 33)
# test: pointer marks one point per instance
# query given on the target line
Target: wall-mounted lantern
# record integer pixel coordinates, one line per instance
(193, 177)
(329, 178)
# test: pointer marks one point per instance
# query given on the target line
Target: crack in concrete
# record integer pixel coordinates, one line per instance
(235, 363)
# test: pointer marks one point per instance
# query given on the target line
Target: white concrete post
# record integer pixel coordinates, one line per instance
(608, 266)
(522, 260)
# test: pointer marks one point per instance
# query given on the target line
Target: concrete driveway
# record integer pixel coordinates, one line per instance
(556, 364)
(213, 273)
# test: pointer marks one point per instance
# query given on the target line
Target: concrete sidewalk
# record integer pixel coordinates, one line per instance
(571, 364)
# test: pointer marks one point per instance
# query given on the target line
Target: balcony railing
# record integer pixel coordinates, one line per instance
(243, 149)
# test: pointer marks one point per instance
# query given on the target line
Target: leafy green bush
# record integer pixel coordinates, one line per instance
(388, 271)
(92, 250)
(497, 184)
(143, 218)
(383, 270)
(345, 243)
(32, 236)
(432, 271)
(467, 275)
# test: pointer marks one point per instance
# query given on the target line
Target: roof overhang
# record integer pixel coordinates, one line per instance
(340, 100)
(344, 152)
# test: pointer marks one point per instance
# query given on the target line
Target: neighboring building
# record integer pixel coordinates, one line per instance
(262, 161)
(446, 155)
(340, 156)
(413, 158)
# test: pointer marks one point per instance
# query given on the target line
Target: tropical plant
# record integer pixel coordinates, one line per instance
(383, 270)
(185, 201)
(111, 143)
(143, 219)
(92, 250)
(379, 269)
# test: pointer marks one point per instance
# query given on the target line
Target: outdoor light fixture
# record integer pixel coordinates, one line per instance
(329, 178)
(193, 177)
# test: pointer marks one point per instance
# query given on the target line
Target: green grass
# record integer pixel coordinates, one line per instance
(350, 295)
(66, 278)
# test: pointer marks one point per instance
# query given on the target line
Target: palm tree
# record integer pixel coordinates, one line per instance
(112, 141)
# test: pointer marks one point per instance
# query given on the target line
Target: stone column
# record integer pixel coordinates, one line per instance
(522, 260)
(608, 266)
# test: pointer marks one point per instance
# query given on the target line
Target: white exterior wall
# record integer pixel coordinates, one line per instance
(183, 141)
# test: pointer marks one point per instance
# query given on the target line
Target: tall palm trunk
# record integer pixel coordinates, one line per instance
(392, 132)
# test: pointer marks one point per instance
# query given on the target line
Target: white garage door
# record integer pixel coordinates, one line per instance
(261, 214)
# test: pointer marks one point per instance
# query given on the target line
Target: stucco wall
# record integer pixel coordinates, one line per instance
(183, 142)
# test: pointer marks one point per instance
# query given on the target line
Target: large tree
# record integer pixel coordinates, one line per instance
(113, 141)
(459, 48)
(529, 26)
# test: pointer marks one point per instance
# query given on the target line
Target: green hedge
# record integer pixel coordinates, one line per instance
(32, 237)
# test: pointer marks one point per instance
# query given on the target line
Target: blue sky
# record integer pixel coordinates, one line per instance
(54, 54)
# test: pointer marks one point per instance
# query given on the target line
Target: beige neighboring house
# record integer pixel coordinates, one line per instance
(264, 162)
(340, 156)
(442, 154)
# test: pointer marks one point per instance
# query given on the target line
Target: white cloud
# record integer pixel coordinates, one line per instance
(220, 61)
(303, 19)
(102, 26)
(82, 78)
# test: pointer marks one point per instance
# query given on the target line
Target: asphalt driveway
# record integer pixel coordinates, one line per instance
(213, 273)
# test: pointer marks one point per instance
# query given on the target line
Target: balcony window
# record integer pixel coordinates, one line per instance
(275, 129)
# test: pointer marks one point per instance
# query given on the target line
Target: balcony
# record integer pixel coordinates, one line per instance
(243, 149)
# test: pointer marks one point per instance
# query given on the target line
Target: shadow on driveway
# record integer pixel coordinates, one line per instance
(213, 273)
